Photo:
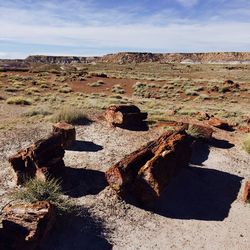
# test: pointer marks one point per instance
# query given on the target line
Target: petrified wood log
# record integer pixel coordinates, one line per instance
(68, 133)
(25, 226)
(124, 115)
(42, 159)
(246, 192)
(147, 171)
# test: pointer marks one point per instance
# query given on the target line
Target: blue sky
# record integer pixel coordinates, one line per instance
(97, 27)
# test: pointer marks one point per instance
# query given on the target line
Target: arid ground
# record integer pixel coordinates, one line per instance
(201, 208)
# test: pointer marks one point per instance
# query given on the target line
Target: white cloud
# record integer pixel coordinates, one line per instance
(188, 3)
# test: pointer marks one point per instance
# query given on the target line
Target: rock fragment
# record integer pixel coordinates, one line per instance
(25, 226)
(125, 115)
(68, 133)
(42, 159)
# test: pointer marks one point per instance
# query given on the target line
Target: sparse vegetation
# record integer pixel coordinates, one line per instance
(246, 144)
(65, 90)
(71, 115)
(49, 190)
(118, 89)
(18, 100)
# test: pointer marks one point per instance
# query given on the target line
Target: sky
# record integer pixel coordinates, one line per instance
(98, 27)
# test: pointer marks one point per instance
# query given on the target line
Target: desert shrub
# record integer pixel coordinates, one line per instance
(71, 115)
(32, 90)
(195, 133)
(12, 89)
(50, 190)
(44, 86)
(37, 111)
(117, 89)
(191, 92)
(96, 84)
(153, 85)
(246, 144)
(19, 100)
(141, 89)
(65, 90)
(224, 89)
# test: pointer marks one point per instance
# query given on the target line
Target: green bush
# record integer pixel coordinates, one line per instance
(50, 190)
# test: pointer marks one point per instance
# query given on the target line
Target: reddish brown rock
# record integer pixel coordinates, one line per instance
(42, 159)
(68, 133)
(218, 123)
(124, 115)
(244, 129)
(147, 171)
(246, 192)
(25, 226)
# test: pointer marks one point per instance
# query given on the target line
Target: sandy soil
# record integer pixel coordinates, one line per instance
(200, 209)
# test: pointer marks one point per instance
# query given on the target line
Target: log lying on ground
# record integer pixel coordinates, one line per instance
(146, 172)
(124, 115)
(25, 226)
(68, 133)
(42, 159)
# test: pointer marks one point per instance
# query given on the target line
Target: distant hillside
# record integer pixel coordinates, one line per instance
(136, 57)
(59, 59)
(214, 57)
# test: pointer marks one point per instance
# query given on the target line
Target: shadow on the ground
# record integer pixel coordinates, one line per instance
(200, 152)
(142, 126)
(83, 121)
(218, 143)
(201, 149)
(85, 146)
(75, 232)
(77, 182)
(197, 194)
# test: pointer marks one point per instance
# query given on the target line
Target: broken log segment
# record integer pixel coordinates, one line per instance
(124, 115)
(68, 133)
(42, 159)
(147, 171)
(25, 226)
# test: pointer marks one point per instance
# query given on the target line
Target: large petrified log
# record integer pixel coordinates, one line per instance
(25, 226)
(68, 133)
(147, 171)
(42, 159)
(125, 115)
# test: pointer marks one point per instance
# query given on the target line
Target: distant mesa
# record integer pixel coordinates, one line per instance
(135, 57)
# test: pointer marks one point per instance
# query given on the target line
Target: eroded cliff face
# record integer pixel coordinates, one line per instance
(136, 57)
(213, 57)
(59, 59)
